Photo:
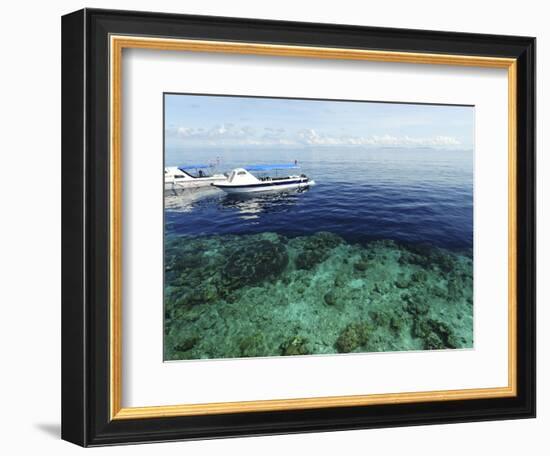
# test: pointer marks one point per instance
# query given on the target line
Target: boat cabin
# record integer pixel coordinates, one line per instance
(187, 172)
(241, 180)
(241, 176)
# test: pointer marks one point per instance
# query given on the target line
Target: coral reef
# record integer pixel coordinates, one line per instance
(253, 345)
(253, 262)
(315, 249)
(352, 337)
(435, 334)
(270, 295)
(295, 346)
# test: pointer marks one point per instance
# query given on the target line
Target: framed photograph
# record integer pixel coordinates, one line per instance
(279, 227)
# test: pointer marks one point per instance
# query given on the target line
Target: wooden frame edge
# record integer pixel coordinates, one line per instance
(309, 403)
(512, 227)
(120, 42)
(115, 238)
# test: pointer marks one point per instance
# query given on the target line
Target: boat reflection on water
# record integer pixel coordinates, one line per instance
(185, 199)
(247, 205)
(251, 205)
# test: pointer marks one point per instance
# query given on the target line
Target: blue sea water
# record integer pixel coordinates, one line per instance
(410, 195)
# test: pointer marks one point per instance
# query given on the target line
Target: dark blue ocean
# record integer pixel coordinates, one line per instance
(408, 195)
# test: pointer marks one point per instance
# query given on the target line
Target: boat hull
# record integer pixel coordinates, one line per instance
(265, 187)
(196, 182)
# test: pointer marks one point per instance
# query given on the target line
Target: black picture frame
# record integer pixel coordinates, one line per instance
(85, 228)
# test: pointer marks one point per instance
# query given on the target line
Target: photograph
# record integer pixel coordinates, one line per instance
(296, 227)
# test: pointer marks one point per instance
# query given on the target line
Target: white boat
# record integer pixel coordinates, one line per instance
(241, 180)
(177, 177)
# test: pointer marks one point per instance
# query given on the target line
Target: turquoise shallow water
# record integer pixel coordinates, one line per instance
(377, 257)
(267, 295)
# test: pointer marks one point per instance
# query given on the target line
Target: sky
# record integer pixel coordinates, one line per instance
(221, 121)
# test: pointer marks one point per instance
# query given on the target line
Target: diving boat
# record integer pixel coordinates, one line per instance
(241, 180)
(187, 176)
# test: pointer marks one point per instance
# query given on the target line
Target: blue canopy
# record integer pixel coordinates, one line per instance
(184, 167)
(269, 167)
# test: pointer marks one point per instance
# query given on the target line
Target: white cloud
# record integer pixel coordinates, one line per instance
(311, 137)
(233, 135)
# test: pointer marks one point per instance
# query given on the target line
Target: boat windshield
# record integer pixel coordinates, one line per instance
(195, 172)
(235, 173)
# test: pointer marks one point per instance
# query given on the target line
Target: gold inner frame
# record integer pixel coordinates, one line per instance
(117, 44)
